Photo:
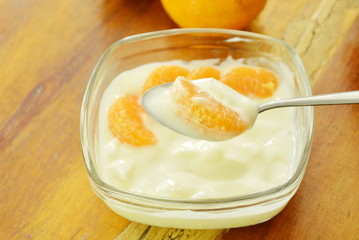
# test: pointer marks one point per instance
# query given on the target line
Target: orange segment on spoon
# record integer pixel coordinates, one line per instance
(164, 74)
(205, 113)
(251, 81)
(204, 72)
(126, 123)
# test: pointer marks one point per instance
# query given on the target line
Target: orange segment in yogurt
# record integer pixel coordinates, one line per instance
(204, 72)
(126, 123)
(251, 81)
(205, 113)
(164, 74)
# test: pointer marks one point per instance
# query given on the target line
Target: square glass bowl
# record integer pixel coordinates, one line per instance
(191, 44)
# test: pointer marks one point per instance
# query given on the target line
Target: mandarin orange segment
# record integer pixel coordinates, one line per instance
(204, 112)
(164, 74)
(252, 81)
(204, 72)
(126, 123)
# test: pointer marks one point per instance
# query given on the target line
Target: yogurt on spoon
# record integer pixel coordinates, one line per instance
(203, 109)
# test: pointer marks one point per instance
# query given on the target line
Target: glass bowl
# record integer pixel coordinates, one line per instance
(190, 44)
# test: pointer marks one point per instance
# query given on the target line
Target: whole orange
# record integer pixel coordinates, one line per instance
(234, 14)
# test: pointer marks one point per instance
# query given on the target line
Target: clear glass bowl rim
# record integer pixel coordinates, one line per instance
(102, 188)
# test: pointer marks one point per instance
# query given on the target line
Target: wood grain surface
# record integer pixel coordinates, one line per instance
(47, 52)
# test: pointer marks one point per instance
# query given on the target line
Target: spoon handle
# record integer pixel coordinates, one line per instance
(326, 99)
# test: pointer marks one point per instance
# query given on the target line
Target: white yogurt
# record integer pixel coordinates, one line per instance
(182, 167)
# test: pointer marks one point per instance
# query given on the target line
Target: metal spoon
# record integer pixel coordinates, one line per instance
(351, 97)
(159, 94)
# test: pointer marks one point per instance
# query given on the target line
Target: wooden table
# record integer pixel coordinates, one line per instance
(47, 52)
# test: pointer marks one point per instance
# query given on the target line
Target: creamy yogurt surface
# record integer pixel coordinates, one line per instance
(182, 167)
